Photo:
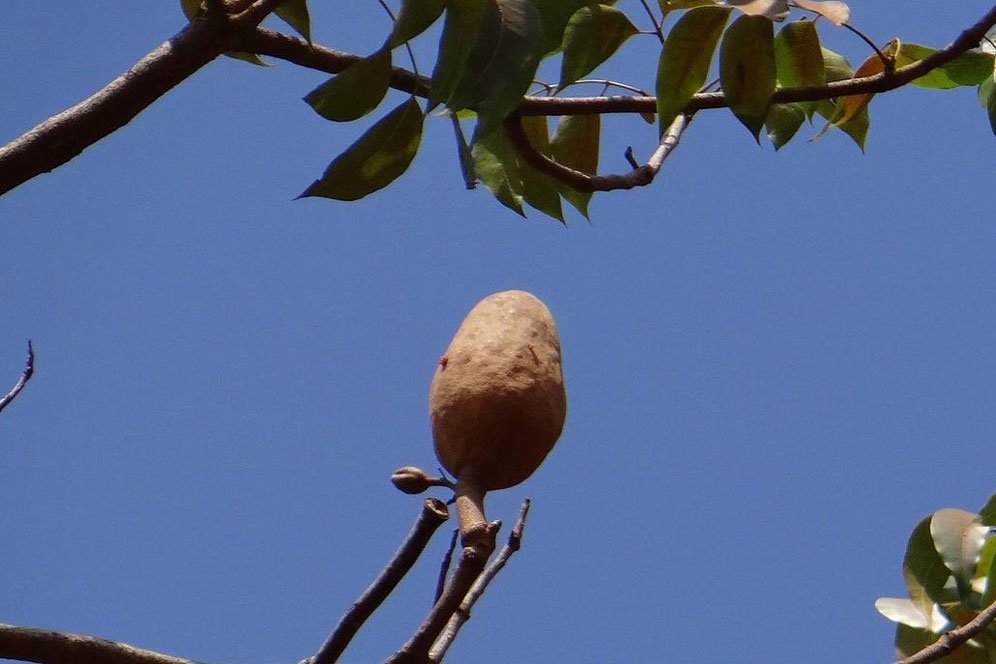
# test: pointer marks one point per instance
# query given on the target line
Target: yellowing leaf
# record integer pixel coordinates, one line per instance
(355, 91)
(376, 159)
(592, 35)
(851, 104)
(685, 59)
(747, 70)
(773, 10)
(575, 145)
(836, 12)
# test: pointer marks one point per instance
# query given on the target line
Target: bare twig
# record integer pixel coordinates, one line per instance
(888, 64)
(46, 647)
(638, 177)
(434, 514)
(29, 371)
(472, 561)
(444, 567)
(949, 641)
(462, 614)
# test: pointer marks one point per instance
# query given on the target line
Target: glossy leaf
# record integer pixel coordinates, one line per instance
(956, 539)
(463, 22)
(987, 515)
(295, 14)
(902, 611)
(575, 145)
(685, 59)
(783, 122)
(591, 37)
(501, 65)
(747, 70)
(496, 164)
(773, 10)
(376, 159)
(538, 189)
(926, 566)
(969, 68)
(987, 97)
(836, 12)
(355, 91)
(414, 18)
(799, 59)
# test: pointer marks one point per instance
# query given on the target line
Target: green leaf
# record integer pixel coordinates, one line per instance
(902, 611)
(251, 58)
(672, 5)
(575, 145)
(376, 159)
(502, 64)
(414, 18)
(986, 569)
(538, 189)
(783, 122)
(969, 68)
(685, 59)
(799, 59)
(554, 15)
(295, 14)
(497, 165)
(987, 96)
(747, 70)
(925, 565)
(463, 21)
(837, 68)
(355, 91)
(592, 35)
(956, 539)
(987, 515)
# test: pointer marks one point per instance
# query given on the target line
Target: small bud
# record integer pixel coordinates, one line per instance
(411, 480)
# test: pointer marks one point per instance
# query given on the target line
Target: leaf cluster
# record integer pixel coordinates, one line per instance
(950, 574)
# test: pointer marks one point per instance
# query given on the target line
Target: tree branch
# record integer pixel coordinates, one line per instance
(46, 647)
(472, 561)
(434, 514)
(949, 641)
(462, 614)
(29, 371)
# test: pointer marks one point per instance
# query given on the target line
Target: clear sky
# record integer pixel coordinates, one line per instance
(776, 365)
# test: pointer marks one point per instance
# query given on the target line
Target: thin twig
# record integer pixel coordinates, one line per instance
(462, 614)
(638, 177)
(434, 514)
(949, 641)
(472, 561)
(444, 567)
(29, 371)
(658, 29)
(888, 65)
(47, 647)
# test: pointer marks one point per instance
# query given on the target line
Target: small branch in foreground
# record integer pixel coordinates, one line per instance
(444, 567)
(462, 614)
(638, 177)
(949, 641)
(472, 561)
(434, 514)
(46, 647)
(29, 371)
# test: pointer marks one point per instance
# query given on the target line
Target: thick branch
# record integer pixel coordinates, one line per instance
(434, 514)
(29, 371)
(60, 138)
(45, 647)
(949, 641)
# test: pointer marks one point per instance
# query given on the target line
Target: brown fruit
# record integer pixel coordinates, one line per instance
(497, 401)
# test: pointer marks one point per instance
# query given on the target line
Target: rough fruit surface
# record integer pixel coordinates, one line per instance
(497, 404)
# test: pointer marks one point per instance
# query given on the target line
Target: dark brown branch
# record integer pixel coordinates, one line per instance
(949, 641)
(29, 371)
(472, 561)
(638, 177)
(434, 514)
(444, 566)
(462, 614)
(45, 647)
(60, 138)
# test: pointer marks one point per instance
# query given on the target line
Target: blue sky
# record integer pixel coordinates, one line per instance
(776, 365)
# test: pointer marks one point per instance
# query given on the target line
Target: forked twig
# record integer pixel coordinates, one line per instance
(29, 371)
(462, 614)
(434, 514)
